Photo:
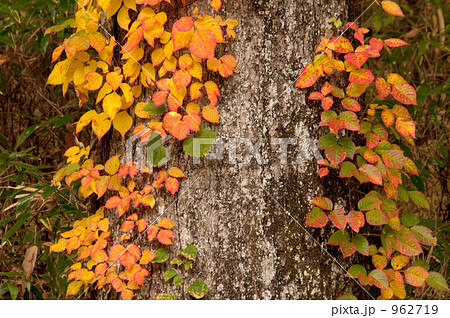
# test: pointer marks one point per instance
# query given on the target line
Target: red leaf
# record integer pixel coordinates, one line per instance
(362, 76)
(387, 117)
(127, 226)
(316, 95)
(127, 260)
(172, 185)
(323, 172)
(115, 252)
(151, 232)
(113, 202)
(347, 248)
(358, 58)
(404, 93)
(323, 203)
(327, 102)
(340, 45)
(338, 218)
(393, 158)
(351, 120)
(383, 88)
(308, 76)
(326, 89)
(355, 220)
(203, 43)
(351, 104)
(395, 42)
(134, 37)
(373, 173)
(416, 276)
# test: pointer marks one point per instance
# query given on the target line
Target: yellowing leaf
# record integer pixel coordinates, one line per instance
(114, 80)
(195, 91)
(122, 123)
(203, 43)
(176, 172)
(123, 19)
(111, 104)
(74, 287)
(392, 8)
(180, 130)
(101, 125)
(211, 114)
(94, 81)
(112, 165)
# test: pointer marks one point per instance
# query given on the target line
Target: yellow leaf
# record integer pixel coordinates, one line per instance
(84, 121)
(57, 76)
(103, 225)
(123, 19)
(130, 4)
(127, 94)
(112, 165)
(74, 288)
(112, 104)
(138, 110)
(94, 81)
(114, 80)
(75, 149)
(106, 89)
(168, 49)
(211, 114)
(113, 7)
(195, 70)
(158, 56)
(101, 124)
(122, 122)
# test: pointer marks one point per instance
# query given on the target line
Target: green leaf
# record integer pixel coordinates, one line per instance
(198, 146)
(188, 265)
(176, 261)
(161, 255)
(190, 252)
(437, 281)
(347, 297)
(316, 218)
(336, 154)
(337, 237)
(177, 281)
(198, 289)
(424, 235)
(356, 270)
(151, 109)
(156, 152)
(419, 199)
(368, 203)
(171, 273)
(349, 146)
(13, 290)
(407, 244)
(346, 169)
(25, 134)
(326, 141)
(362, 245)
(20, 221)
(376, 217)
(409, 220)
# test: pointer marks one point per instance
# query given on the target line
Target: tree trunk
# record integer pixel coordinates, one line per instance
(237, 213)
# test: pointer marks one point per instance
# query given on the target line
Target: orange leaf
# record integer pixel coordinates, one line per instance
(340, 45)
(181, 79)
(193, 121)
(127, 260)
(141, 225)
(395, 42)
(387, 117)
(216, 4)
(203, 43)
(151, 232)
(147, 257)
(383, 88)
(358, 58)
(127, 226)
(165, 236)
(182, 32)
(180, 130)
(212, 90)
(404, 93)
(134, 250)
(392, 8)
(134, 37)
(113, 202)
(362, 76)
(172, 185)
(227, 66)
(115, 252)
(166, 224)
(100, 269)
(99, 256)
(127, 294)
(170, 119)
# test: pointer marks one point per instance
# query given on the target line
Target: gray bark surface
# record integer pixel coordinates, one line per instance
(248, 247)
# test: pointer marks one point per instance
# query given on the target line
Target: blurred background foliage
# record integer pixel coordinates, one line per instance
(35, 131)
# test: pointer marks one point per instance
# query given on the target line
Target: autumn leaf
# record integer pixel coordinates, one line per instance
(94, 81)
(101, 125)
(392, 8)
(211, 114)
(151, 232)
(316, 218)
(404, 93)
(122, 122)
(166, 224)
(115, 252)
(127, 226)
(180, 130)
(203, 43)
(111, 104)
(165, 236)
(171, 185)
(182, 32)
(308, 76)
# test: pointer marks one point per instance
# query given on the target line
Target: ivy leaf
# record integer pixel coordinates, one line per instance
(316, 218)
(368, 203)
(404, 93)
(204, 139)
(437, 281)
(393, 158)
(348, 145)
(168, 275)
(203, 43)
(399, 261)
(335, 153)
(373, 173)
(190, 252)
(346, 169)
(356, 270)
(355, 220)
(351, 104)
(379, 279)
(338, 218)
(361, 243)
(151, 109)
(161, 255)
(347, 248)
(387, 117)
(416, 276)
(198, 289)
(392, 8)
(74, 288)
(351, 120)
(337, 237)
(383, 88)
(424, 235)
(405, 127)
(379, 261)
(395, 42)
(165, 296)
(407, 244)
(357, 58)
(361, 76)
(308, 76)
(376, 217)
(419, 199)
(122, 122)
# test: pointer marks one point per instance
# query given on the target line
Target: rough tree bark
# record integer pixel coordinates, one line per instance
(248, 247)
